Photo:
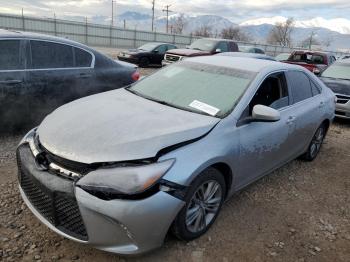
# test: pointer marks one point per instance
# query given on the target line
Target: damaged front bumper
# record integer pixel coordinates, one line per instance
(118, 225)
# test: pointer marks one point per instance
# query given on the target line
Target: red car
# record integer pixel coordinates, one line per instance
(315, 62)
(201, 47)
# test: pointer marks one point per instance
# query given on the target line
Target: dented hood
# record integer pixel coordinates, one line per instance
(118, 126)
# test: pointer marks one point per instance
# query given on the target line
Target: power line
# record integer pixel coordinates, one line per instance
(167, 16)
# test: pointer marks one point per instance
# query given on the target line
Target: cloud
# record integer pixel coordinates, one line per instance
(236, 10)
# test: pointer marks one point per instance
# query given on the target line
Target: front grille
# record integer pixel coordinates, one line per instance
(60, 210)
(339, 113)
(342, 99)
(172, 58)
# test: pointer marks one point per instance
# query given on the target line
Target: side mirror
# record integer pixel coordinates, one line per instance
(265, 114)
(155, 51)
(218, 50)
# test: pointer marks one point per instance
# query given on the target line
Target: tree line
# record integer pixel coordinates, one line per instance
(280, 33)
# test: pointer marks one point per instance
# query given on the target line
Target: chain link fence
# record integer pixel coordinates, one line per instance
(111, 36)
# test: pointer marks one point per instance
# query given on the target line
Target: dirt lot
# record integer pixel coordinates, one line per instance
(301, 212)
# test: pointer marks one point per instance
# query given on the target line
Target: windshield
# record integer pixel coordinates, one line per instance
(148, 47)
(245, 49)
(307, 58)
(282, 57)
(341, 71)
(195, 87)
(203, 45)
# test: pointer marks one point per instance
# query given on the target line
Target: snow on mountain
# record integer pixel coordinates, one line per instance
(340, 25)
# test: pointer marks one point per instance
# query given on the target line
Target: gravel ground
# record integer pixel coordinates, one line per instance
(298, 213)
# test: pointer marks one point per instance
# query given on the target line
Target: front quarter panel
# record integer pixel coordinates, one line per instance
(221, 145)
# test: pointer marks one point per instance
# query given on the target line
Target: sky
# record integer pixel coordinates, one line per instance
(236, 11)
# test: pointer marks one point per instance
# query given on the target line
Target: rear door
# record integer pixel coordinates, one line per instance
(13, 104)
(51, 76)
(308, 107)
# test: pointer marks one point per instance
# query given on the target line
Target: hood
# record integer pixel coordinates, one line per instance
(338, 86)
(188, 52)
(118, 126)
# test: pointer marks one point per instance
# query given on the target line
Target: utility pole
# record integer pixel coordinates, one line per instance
(167, 16)
(113, 2)
(311, 39)
(153, 4)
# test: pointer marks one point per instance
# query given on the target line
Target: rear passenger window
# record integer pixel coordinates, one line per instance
(300, 86)
(82, 58)
(162, 49)
(315, 89)
(51, 55)
(10, 58)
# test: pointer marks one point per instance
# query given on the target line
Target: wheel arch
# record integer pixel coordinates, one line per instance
(227, 173)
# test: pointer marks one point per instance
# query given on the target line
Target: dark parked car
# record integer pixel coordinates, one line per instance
(313, 61)
(200, 47)
(248, 55)
(337, 78)
(250, 49)
(39, 73)
(151, 53)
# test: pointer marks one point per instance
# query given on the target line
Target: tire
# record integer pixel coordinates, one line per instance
(144, 62)
(189, 223)
(315, 144)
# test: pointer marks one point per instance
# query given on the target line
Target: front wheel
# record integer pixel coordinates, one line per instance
(316, 144)
(203, 203)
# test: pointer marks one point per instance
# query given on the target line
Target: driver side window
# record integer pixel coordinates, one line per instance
(162, 49)
(273, 92)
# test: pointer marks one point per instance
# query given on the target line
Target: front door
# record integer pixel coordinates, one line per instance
(265, 146)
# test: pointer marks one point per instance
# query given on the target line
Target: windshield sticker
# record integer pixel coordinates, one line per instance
(173, 71)
(211, 110)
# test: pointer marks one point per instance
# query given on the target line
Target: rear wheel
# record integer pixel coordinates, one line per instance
(316, 144)
(144, 62)
(203, 203)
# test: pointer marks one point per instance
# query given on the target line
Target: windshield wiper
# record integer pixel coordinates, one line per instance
(162, 102)
(196, 48)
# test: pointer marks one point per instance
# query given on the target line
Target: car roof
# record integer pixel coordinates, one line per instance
(30, 35)
(159, 43)
(242, 54)
(218, 39)
(310, 52)
(243, 63)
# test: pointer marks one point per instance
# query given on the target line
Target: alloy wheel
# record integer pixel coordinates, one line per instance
(203, 206)
(317, 142)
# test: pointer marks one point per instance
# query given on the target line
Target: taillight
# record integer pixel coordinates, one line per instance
(135, 76)
(316, 71)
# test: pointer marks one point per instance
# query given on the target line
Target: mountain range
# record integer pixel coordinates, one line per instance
(332, 34)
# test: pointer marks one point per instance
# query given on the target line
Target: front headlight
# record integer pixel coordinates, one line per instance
(130, 180)
(30, 138)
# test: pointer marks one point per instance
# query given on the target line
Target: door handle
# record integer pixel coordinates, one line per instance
(291, 120)
(321, 104)
(11, 82)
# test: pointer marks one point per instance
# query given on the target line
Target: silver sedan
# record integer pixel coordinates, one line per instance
(121, 169)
